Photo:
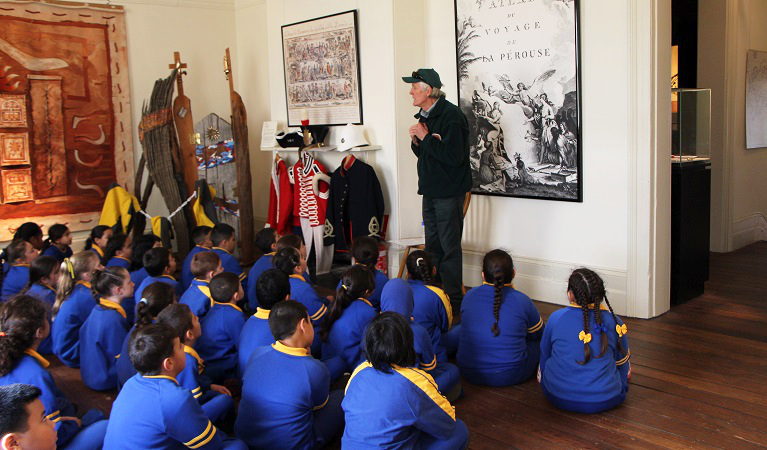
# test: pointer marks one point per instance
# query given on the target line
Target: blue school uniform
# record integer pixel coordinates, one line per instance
(304, 293)
(155, 412)
(124, 368)
(119, 261)
(398, 297)
(99, 252)
(15, 280)
(512, 356)
(346, 334)
(399, 409)
(230, 264)
(101, 339)
(55, 252)
(47, 295)
(138, 276)
(434, 312)
(198, 297)
(375, 297)
(595, 386)
(65, 330)
(215, 406)
(186, 267)
(263, 264)
(255, 333)
(286, 401)
(129, 304)
(221, 328)
(31, 369)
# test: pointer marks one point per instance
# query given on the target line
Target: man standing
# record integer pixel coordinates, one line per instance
(440, 140)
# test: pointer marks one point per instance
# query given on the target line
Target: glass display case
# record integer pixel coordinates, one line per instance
(690, 125)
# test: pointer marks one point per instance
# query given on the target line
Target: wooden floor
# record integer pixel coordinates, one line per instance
(699, 378)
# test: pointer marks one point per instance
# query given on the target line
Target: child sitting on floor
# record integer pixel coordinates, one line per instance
(221, 328)
(23, 326)
(97, 241)
(500, 328)
(224, 242)
(266, 241)
(286, 398)
(152, 410)
(20, 254)
(140, 247)
(216, 400)
(160, 265)
(204, 266)
(43, 279)
(391, 404)
(365, 252)
(202, 243)
(584, 351)
(74, 303)
(119, 251)
(23, 423)
(103, 333)
(58, 243)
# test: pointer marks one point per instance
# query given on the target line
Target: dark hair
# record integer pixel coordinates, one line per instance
(15, 250)
(498, 268)
(14, 399)
(265, 238)
(204, 262)
(27, 231)
(114, 245)
(589, 290)
(272, 286)
(290, 240)
(420, 267)
(55, 232)
(96, 233)
(140, 247)
(286, 260)
(388, 341)
(20, 318)
(221, 232)
(355, 283)
(365, 251)
(40, 268)
(178, 317)
(158, 296)
(105, 280)
(149, 347)
(200, 233)
(156, 260)
(285, 317)
(223, 286)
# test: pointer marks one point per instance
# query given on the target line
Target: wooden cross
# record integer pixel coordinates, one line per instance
(177, 64)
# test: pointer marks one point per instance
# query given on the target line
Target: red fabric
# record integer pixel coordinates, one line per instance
(280, 206)
(306, 203)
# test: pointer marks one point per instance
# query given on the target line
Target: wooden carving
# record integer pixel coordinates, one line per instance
(13, 111)
(17, 185)
(14, 149)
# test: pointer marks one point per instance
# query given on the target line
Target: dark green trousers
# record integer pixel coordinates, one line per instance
(443, 226)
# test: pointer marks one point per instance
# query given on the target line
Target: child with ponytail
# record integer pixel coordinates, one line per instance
(58, 243)
(119, 251)
(500, 328)
(432, 305)
(23, 326)
(74, 303)
(43, 279)
(584, 352)
(349, 314)
(155, 298)
(20, 255)
(293, 262)
(97, 241)
(140, 246)
(216, 400)
(103, 333)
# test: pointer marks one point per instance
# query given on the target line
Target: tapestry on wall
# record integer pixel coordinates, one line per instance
(756, 99)
(65, 125)
(519, 86)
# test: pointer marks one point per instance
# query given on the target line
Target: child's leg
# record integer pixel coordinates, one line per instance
(447, 377)
(216, 406)
(450, 340)
(458, 440)
(90, 437)
(329, 420)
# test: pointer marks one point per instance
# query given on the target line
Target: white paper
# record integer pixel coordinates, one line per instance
(267, 135)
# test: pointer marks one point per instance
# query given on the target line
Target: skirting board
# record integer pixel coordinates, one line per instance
(749, 229)
(540, 279)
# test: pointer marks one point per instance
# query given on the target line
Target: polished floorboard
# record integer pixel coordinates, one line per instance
(699, 374)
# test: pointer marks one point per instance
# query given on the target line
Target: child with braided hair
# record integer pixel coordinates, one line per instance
(58, 242)
(432, 308)
(500, 328)
(43, 278)
(74, 303)
(584, 352)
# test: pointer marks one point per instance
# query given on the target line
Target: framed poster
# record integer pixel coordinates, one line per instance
(519, 86)
(756, 99)
(322, 71)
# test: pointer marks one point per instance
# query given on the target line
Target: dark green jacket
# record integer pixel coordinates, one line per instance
(443, 165)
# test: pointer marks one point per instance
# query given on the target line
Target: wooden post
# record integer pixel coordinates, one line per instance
(182, 117)
(242, 160)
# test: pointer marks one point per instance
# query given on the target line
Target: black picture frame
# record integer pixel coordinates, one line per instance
(547, 184)
(348, 106)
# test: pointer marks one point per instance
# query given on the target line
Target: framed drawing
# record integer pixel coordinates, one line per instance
(13, 109)
(519, 86)
(14, 149)
(17, 185)
(322, 70)
(756, 99)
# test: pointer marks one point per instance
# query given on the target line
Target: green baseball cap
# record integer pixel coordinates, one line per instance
(428, 76)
